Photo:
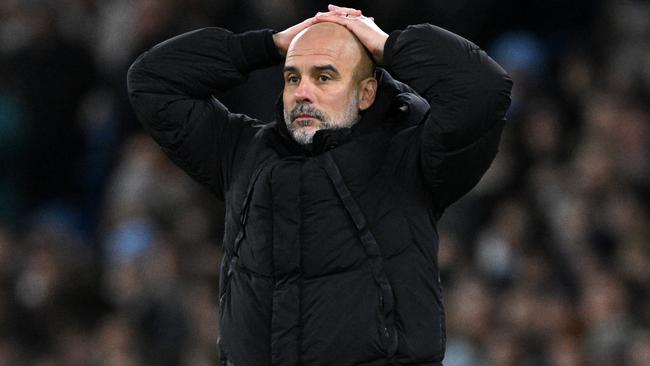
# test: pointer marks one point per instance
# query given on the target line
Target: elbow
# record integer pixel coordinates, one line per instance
(139, 85)
(497, 87)
(140, 95)
(135, 78)
(502, 85)
(501, 90)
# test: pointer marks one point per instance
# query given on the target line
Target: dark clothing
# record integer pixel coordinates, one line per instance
(331, 251)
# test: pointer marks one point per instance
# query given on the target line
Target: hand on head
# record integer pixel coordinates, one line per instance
(364, 28)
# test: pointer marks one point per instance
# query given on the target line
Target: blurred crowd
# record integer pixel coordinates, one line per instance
(109, 255)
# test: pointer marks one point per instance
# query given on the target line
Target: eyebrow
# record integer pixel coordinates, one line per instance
(327, 67)
(290, 69)
(317, 68)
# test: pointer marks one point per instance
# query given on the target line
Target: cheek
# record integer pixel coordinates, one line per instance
(335, 103)
(286, 100)
(343, 103)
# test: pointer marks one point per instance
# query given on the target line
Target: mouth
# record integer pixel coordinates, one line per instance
(304, 120)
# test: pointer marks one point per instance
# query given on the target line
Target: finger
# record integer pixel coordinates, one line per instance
(330, 14)
(333, 7)
(339, 19)
(351, 12)
(307, 21)
(344, 10)
(321, 13)
(331, 17)
(319, 17)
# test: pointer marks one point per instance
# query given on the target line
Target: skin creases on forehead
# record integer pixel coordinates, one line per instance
(321, 56)
(315, 51)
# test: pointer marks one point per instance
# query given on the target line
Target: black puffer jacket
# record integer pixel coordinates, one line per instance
(331, 252)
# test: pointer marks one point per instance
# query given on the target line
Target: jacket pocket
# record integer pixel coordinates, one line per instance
(342, 320)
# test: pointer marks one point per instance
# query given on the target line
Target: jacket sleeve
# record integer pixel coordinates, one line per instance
(469, 95)
(171, 86)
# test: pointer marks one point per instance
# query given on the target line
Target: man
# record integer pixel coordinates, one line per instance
(330, 240)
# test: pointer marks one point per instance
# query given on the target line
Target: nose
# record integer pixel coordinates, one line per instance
(304, 92)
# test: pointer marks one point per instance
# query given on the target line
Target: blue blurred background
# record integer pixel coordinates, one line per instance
(109, 255)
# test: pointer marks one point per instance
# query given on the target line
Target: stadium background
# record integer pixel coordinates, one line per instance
(109, 255)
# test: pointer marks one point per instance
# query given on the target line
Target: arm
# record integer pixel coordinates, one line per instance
(469, 95)
(468, 92)
(171, 86)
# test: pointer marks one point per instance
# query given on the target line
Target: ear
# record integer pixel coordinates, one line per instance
(368, 90)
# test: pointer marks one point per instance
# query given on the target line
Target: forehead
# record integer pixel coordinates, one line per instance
(306, 53)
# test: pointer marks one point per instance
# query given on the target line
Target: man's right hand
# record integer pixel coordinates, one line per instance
(283, 39)
(371, 36)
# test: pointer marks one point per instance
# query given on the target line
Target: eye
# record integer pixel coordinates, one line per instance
(292, 79)
(324, 78)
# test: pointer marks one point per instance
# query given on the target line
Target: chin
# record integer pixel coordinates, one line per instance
(303, 135)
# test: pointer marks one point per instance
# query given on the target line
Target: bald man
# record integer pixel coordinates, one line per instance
(328, 81)
(330, 227)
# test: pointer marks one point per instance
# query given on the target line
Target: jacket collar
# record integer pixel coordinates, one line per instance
(389, 107)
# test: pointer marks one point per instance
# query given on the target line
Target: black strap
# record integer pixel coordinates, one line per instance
(371, 248)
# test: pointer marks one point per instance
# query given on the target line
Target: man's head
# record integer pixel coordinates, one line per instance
(328, 80)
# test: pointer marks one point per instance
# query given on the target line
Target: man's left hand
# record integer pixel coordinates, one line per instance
(283, 39)
(370, 35)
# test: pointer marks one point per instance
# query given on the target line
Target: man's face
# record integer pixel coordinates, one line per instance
(321, 89)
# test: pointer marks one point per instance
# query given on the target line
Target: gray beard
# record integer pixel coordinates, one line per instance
(350, 117)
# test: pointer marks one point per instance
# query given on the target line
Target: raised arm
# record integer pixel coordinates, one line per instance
(468, 92)
(469, 95)
(171, 86)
